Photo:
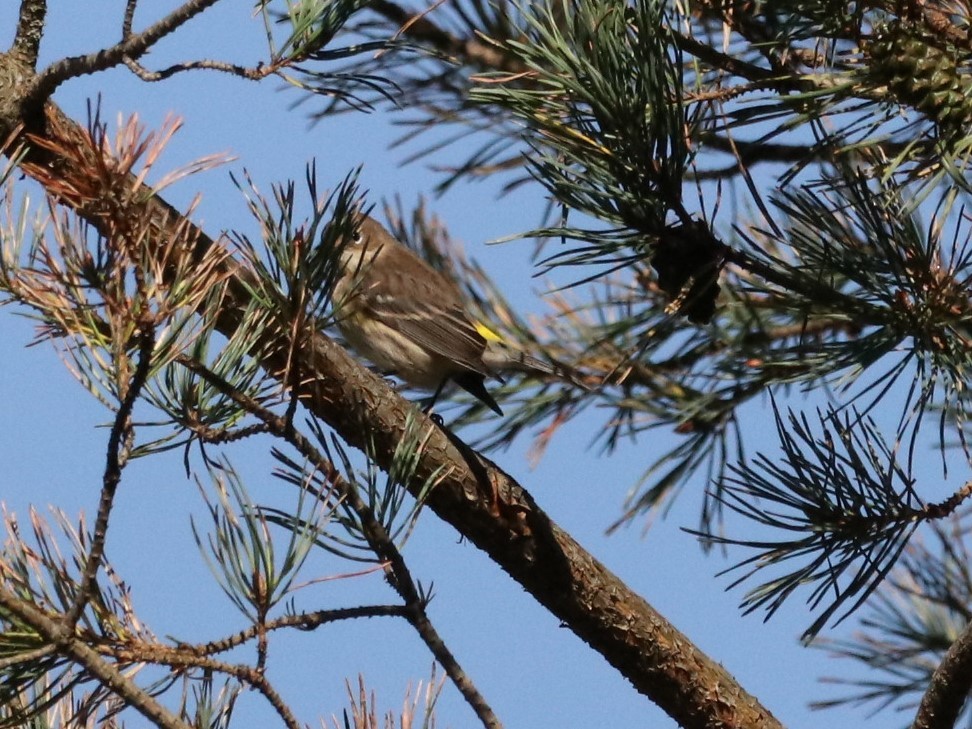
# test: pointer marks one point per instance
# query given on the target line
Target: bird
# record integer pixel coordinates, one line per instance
(410, 320)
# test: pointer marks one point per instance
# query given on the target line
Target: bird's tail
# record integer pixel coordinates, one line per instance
(504, 360)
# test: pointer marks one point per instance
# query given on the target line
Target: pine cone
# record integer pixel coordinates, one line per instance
(921, 75)
(687, 260)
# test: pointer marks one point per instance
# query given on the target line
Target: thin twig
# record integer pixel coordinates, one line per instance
(727, 63)
(27, 656)
(113, 471)
(128, 19)
(178, 658)
(947, 507)
(303, 621)
(812, 290)
(218, 436)
(255, 73)
(134, 46)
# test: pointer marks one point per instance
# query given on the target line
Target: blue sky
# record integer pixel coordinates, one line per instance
(535, 673)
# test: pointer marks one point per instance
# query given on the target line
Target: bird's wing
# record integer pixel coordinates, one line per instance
(442, 328)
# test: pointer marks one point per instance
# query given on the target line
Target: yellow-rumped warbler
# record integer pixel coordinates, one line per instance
(408, 319)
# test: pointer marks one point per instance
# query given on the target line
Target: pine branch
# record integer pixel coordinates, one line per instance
(62, 635)
(632, 636)
(378, 537)
(845, 505)
(912, 623)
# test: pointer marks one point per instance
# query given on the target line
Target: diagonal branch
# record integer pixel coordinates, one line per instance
(595, 604)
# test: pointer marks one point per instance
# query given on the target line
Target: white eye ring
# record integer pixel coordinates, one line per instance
(356, 236)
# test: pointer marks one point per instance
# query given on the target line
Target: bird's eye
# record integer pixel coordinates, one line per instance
(356, 237)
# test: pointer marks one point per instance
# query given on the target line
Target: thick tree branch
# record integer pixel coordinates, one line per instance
(659, 661)
(949, 687)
